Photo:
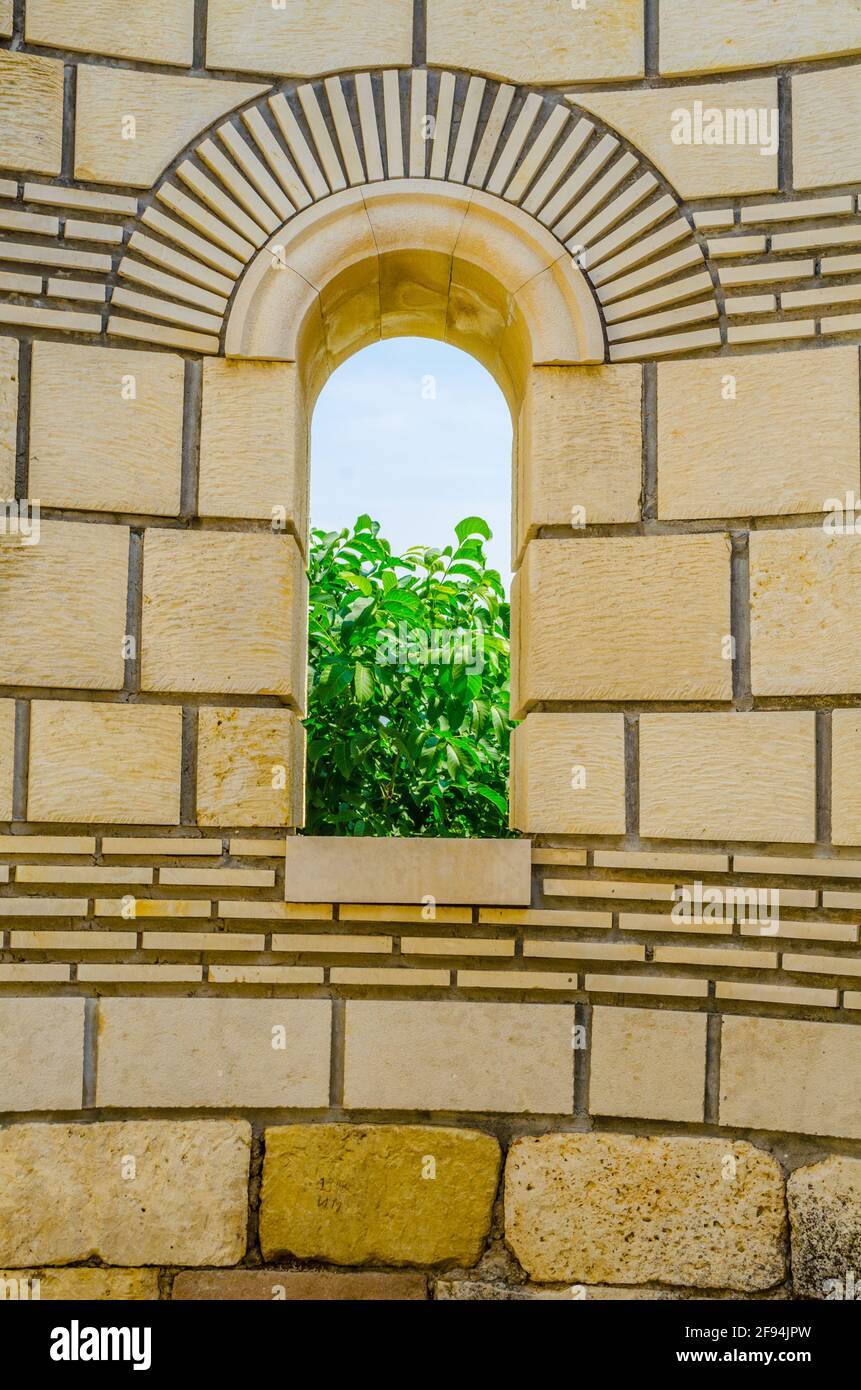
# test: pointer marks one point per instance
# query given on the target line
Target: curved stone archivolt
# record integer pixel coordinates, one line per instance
(611, 214)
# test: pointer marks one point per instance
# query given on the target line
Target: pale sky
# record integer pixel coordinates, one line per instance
(383, 443)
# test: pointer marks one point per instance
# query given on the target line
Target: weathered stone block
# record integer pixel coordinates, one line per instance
(132, 1192)
(343, 868)
(316, 36)
(378, 1194)
(298, 1286)
(785, 1074)
(7, 757)
(846, 777)
(596, 1209)
(568, 774)
(8, 415)
(826, 128)
(250, 767)
(41, 1054)
(648, 1063)
(155, 31)
(752, 33)
(31, 113)
(825, 1221)
(88, 1284)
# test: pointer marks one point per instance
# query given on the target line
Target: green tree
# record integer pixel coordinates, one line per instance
(408, 723)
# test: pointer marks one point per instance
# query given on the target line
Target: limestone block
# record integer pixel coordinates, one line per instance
(87, 1284)
(104, 763)
(304, 40)
(728, 776)
(164, 113)
(825, 1221)
(784, 1074)
(224, 612)
(106, 429)
(538, 41)
(250, 767)
(63, 606)
(298, 1285)
(846, 777)
(614, 1209)
(377, 1194)
(580, 448)
(5, 18)
(8, 415)
(138, 1192)
(648, 1063)
(623, 618)
(7, 757)
(805, 612)
(568, 774)
(761, 435)
(344, 868)
(696, 169)
(213, 1052)
(826, 128)
(515, 1058)
(155, 31)
(31, 113)
(41, 1054)
(254, 443)
(752, 33)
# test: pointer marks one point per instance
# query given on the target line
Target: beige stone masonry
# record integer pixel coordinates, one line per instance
(333, 868)
(166, 111)
(250, 767)
(760, 435)
(155, 31)
(377, 1194)
(568, 774)
(728, 776)
(63, 606)
(640, 618)
(223, 613)
(89, 1285)
(8, 415)
(7, 757)
(846, 777)
(784, 1074)
(305, 40)
(104, 763)
(171, 1053)
(824, 1204)
(139, 1192)
(752, 33)
(299, 1285)
(41, 1054)
(31, 113)
(614, 1209)
(648, 1064)
(5, 17)
(454, 1056)
(106, 429)
(826, 128)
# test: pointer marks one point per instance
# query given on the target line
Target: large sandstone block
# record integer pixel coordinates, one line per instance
(515, 1058)
(213, 1052)
(87, 1284)
(8, 416)
(825, 1220)
(298, 1285)
(41, 1054)
(805, 612)
(568, 774)
(624, 618)
(304, 40)
(760, 435)
(377, 1194)
(63, 606)
(753, 33)
(343, 868)
(614, 1209)
(250, 767)
(7, 757)
(648, 1063)
(224, 612)
(784, 1074)
(31, 113)
(826, 128)
(135, 1192)
(538, 40)
(728, 776)
(155, 31)
(253, 443)
(106, 429)
(846, 777)
(104, 763)
(580, 448)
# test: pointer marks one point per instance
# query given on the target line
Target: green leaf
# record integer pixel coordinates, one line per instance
(472, 526)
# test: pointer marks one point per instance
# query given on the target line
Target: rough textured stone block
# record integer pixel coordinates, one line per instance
(8, 415)
(728, 776)
(784, 1074)
(334, 868)
(155, 31)
(298, 1286)
(648, 1063)
(167, 112)
(538, 40)
(515, 1058)
(377, 1194)
(106, 429)
(250, 767)
(254, 443)
(304, 40)
(649, 119)
(63, 606)
(224, 613)
(132, 1192)
(5, 18)
(752, 33)
(568, 774)
(846, 777)
(41, 1054)
(805, 612)
(89, 1285)
(580, 448)
(213, 1052)
(31, 113)
(624, 618)
(826, 128)
(825, 1221)
(480, 1291)
(7, 757)
(104, 763)
(761, 435)
(612, 1209)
